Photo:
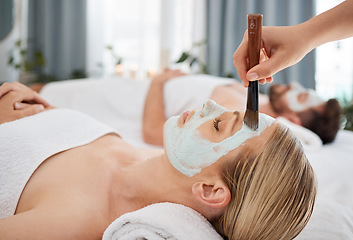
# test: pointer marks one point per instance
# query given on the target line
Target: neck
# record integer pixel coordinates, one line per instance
(148, 182)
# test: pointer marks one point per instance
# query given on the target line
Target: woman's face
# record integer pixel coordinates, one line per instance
(196, 140)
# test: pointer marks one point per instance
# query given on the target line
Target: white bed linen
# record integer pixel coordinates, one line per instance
(330, 221)
(333, 165)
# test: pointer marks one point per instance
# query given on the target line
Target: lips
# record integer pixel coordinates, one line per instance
(185, 115)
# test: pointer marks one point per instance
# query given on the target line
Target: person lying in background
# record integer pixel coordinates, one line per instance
(139, 109)
(301, 106)
(65, 175)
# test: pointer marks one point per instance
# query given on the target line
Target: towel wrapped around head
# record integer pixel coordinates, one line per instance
(161, 221)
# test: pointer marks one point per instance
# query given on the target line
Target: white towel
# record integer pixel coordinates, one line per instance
(117, 102)
(27, 142)
(161, 221)
(190, 92)
(310, 140)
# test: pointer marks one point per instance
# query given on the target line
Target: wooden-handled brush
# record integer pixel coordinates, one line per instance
(251, 118)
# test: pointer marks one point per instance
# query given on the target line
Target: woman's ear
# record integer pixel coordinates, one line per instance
(214, 195)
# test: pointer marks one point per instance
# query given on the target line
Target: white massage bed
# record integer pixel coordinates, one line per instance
(119, 103)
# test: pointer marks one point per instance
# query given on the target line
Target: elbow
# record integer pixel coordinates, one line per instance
(147, 137)
(151, 137)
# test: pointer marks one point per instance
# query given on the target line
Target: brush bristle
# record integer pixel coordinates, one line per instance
(251, 119)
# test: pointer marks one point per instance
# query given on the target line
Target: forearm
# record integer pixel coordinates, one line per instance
(332, 25)
(154, 114)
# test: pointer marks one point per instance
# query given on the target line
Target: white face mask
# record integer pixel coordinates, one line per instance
(189, 152)
(311, 100)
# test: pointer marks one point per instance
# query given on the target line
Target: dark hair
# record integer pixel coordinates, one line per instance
(325, 124)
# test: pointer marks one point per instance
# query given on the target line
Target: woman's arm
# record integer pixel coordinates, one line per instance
(18, 101)
(48, 222)
(154, 112)
(27, 225)
(332, 25)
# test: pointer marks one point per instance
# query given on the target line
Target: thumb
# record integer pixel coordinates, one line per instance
(265, 69)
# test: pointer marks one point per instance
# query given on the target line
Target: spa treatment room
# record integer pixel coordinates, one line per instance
(176, 119)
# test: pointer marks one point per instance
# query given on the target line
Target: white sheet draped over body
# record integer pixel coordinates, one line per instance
(27, 142)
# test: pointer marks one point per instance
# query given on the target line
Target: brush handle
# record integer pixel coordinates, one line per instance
(254, 46)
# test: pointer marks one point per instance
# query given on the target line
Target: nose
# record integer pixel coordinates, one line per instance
(302, 97)
(210, 107)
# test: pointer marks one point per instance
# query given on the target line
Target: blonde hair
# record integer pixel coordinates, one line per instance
(273, 189)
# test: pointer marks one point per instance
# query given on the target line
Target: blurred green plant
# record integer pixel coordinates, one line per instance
(118, 60)
(347, 113)
(192, 59)
(19, 60)
(78, 73)
(45, 78)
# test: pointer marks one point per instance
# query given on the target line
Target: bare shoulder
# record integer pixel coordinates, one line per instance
(230, 96)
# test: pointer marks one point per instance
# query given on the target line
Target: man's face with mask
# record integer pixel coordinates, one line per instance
(293, 98)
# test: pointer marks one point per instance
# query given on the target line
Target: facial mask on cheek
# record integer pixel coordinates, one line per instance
(189, 152)
(312, 99)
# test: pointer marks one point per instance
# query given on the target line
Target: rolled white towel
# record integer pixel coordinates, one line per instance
(161, 221)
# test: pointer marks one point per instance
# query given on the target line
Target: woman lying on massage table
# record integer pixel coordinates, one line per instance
(64, 175)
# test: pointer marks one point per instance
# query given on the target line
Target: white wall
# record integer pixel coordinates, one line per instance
(334, 61)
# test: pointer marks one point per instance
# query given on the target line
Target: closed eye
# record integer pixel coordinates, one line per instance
(216, 122)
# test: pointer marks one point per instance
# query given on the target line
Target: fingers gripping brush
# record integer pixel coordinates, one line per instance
(251, 118)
